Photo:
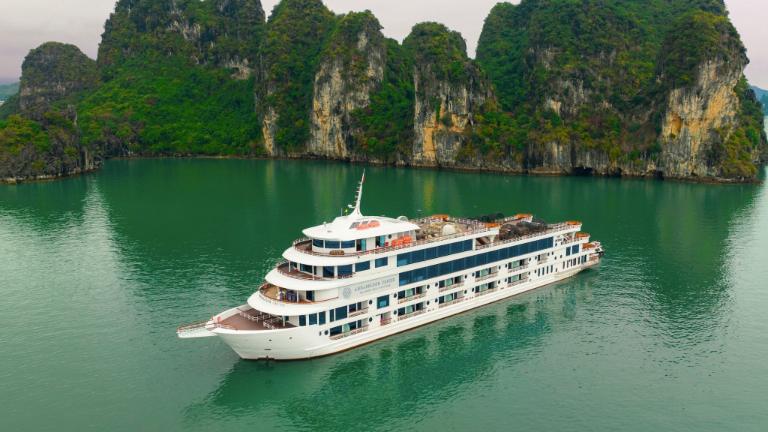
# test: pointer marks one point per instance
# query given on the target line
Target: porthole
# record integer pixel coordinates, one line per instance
(427, 302)
(394, 295)
(394, 312)
(326, 332)
(370, 319)
(370, 302)
(465, 291)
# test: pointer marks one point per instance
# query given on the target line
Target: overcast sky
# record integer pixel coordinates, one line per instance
(25, 24)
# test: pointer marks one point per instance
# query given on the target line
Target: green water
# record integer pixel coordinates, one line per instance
(96, 272)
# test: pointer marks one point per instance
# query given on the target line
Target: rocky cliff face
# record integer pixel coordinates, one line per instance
(595, 99)
(625, 87)
(352, 67)
(41, 140)
(296, 34)
(52, 72)
(449, 91)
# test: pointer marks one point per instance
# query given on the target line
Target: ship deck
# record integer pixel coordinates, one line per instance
(253, 320)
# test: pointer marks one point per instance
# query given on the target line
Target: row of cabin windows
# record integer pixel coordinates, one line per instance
(571, 250)
(404, 259)
(405, 310)
(461, 264)
(333, 244)
(346, 327)
(345, 270)
(359, 245)
(575, 261)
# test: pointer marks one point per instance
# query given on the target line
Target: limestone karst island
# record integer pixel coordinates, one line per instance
(619, 88)
(383, 215)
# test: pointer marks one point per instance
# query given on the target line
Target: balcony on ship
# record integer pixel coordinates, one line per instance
(278, 295)
(246, 319)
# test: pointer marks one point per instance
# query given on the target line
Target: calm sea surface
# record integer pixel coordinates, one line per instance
(96, 272)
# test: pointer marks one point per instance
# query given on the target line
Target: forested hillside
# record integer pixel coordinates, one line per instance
(611, 87)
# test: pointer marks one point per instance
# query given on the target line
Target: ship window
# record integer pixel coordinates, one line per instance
(405, 278)
(576, 249)
(362, 266)
(317, 243)
(403, 259)
(347, 244)
(354, 225)
(313, 319)
(457, 247)
(382, 262)
(382, 302)
(443, 250)
(568, 251)
(328, 272)
(419, 275)
(341, 312)
(311, 295)
(345, 270)
(467, 245)
(321, 318)
(432, 271)
(430, 253)
(306, 268)
(335, 330)
(332, 244)
(417, 256)
(302, 320)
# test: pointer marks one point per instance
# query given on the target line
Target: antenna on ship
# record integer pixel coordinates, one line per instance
(358, 197)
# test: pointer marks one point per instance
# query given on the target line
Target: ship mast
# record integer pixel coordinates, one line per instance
(358, 198)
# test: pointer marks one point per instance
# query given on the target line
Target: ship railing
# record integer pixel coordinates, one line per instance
(518, 268)
(192, 326)
(298, 274)
(358, 312)
(413, 297)
(385, 321)
(484, 292)
(452, 302)
(517, 282)
(350, 333)
(475, 228)
(412, 314)
(486, 277)
(550, 230)
(450, 287)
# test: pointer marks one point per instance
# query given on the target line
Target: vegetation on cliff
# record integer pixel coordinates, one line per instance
(558, 85)
(296, 34)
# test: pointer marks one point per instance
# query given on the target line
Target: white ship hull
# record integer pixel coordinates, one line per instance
(305, 342)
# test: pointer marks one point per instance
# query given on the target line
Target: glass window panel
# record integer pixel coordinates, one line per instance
(328, 272)
(403, 259)
(362, 266)
(381, 262)
(430, 253)
(443, 250)
(347, 244)
(317, 243)
(331, 244)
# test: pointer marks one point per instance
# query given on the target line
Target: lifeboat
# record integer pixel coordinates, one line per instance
(573, 223)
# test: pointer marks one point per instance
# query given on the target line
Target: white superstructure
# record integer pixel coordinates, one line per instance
(362, 278)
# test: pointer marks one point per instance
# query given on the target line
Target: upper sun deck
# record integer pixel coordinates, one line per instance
(388, 234)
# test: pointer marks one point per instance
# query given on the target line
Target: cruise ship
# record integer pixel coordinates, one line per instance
(362, 278)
